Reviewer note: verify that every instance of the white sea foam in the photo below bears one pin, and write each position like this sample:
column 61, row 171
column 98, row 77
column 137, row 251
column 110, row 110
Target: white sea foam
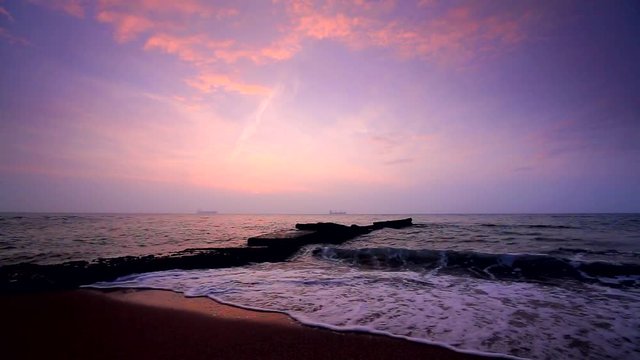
column 515, row 318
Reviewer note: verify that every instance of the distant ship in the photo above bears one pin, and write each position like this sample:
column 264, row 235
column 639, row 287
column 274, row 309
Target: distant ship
column 206, row 212
column 331, row 212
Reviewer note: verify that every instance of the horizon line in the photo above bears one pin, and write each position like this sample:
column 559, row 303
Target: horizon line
column 325, row 213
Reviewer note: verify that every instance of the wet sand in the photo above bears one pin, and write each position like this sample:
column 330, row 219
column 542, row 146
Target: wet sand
column 151, row 324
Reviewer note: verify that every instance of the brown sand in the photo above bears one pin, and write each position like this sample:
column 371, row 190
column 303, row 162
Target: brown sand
column 154, row 324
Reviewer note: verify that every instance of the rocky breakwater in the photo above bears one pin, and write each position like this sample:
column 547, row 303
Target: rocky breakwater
column 322, row 233
column 274, row 247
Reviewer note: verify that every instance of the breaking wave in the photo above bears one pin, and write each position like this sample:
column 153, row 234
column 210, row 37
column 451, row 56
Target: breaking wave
column 534, row 226
column 525, row 267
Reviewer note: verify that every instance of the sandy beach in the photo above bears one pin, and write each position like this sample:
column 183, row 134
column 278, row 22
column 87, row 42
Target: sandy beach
column 151, row 324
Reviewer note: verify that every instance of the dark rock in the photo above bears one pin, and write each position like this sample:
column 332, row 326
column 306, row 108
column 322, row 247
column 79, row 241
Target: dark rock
column 33, row 277
column 273, row 247
column 323, row 226
column 281, row 238
column 322, row 232
column 394, row 224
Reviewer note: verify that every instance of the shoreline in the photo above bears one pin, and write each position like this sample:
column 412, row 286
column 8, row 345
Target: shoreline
column 163, row 324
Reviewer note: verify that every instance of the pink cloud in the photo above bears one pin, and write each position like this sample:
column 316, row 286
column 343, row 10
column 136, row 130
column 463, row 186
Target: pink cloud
column 320, row 27
column 135, row 17
column 452, row 36
column 282, row 49
column 197, row 49
column 202, row 49
column 458, row 35
column 279, row 50
column 326, row 20
column 127, row 26
column 209, row 82
column 449, row 36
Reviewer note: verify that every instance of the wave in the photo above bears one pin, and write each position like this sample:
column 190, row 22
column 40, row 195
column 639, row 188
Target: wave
column 533, row 226
column 566, row 250
column 525, row 267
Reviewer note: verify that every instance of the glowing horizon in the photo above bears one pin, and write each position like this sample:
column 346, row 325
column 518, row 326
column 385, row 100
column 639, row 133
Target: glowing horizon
column 304, row 106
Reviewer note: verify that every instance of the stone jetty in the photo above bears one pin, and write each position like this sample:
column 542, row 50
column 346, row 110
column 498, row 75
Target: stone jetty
column 322, row 233
column 274, row 247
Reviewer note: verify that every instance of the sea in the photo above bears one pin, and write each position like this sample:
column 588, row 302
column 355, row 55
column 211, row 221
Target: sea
column 541, row 286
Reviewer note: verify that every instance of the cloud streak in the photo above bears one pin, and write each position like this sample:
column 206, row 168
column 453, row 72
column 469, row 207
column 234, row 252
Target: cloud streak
column 5, row 34
column 75, row 8
column 4, row 12
column 12, row 39
column 210, row 82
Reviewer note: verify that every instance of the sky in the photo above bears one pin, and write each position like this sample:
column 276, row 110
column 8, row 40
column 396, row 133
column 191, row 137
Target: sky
column 306, row 106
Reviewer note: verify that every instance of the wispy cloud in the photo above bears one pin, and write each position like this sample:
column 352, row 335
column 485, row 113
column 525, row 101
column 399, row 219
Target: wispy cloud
column 252, row 126
column 6, row 14
column 12, row 39
column 127, row 26
column 75, row 8
column 6, row 35
column 199, row 49
column 136, row 17
column 209, row 82
column 454, row 34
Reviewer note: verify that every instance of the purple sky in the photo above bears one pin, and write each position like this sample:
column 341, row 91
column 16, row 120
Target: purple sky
column 305, row 106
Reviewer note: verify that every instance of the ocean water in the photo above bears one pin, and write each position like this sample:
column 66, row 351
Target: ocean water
column 529, row 286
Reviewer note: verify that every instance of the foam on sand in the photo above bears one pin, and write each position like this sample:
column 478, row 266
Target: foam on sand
column 518, row 319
